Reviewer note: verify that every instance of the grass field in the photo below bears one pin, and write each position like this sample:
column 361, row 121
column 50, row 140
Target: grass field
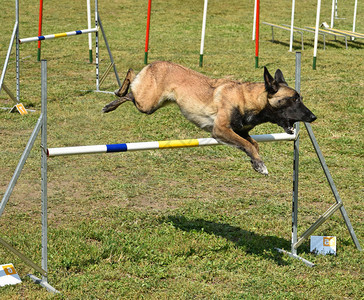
column 193, row 223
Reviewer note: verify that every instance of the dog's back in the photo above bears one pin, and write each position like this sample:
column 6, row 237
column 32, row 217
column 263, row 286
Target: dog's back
column 162, row 82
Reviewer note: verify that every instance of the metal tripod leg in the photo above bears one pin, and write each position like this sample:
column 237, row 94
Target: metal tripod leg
column 109, row 51
column 332, row 186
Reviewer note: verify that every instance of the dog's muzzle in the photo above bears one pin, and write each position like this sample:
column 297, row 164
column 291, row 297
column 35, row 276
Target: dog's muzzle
column 311, row 118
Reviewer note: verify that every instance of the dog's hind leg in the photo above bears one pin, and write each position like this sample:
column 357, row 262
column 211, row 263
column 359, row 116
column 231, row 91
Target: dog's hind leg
column 116, row 103
column 123, row 90
column 122, row 93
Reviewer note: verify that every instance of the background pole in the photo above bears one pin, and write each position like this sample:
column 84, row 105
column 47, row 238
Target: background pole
column 354, row 18
column 292, row 23
column 332, row 14
column 90, row 34
column 257, row 36
column 40, row 27
column 254, row 19
column 147, row 33
column 316, row 34
column 203, row 32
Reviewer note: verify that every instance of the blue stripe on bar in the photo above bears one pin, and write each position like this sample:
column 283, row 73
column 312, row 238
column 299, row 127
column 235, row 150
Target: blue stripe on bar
column 78, row 32
column 116, row 148
column 41, row 38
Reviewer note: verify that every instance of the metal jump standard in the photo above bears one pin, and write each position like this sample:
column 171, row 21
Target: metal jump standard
column 15, row 38
column 50, row 152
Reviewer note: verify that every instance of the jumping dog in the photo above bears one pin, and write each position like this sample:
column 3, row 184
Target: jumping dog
column 226, row 108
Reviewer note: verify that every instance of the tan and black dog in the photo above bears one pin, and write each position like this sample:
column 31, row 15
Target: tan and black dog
column 226, row 108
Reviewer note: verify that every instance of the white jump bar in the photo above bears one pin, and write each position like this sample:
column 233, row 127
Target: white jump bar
column 159, row 145
column 57, row 35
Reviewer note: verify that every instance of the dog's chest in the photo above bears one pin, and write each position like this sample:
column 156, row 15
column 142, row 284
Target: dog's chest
column 243, row 121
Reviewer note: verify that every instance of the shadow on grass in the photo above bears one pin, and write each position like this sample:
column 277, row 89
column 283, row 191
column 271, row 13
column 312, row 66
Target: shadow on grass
column 248, row 241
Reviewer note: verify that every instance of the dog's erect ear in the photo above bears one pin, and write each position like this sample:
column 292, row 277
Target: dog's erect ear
column 271, row 85
column 278, row 77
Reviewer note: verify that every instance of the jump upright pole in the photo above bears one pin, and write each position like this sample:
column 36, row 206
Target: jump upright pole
column 316, row 34
column 203, row 32
column 254, row 19
column 257, row 35
column 40, row 27
column 354, row 18
column 89, row 27
column 147, row 32
column 332, row 14
column 296, row 152
column 292, row 24
column 44, row 280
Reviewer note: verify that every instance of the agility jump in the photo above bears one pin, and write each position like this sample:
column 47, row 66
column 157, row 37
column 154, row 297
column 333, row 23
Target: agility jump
column 41, row 127
column 98, row 26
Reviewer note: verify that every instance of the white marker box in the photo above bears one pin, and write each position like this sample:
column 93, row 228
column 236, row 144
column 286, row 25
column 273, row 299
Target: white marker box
column 8, row 275
column 323, row 245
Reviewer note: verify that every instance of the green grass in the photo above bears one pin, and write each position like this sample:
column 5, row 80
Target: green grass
column 183, row 223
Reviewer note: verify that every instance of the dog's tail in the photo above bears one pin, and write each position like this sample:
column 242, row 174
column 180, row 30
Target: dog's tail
column 121, row 93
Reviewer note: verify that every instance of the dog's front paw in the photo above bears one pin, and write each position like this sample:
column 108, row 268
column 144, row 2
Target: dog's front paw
column 260, row 167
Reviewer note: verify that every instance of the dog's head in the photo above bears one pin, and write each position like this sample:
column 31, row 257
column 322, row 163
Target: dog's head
column 285, row 103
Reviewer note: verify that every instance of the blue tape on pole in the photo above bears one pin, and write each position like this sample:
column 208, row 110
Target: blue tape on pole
column 41, row 38
column 116, row 148
column 78, row 32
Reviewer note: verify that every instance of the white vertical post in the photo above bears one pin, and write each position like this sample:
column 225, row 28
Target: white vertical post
column 292, row 23
column 316, row 33
column 89, row 27
column 254, row 20
column 355, row 10
column 203, row 32
column 332, row 14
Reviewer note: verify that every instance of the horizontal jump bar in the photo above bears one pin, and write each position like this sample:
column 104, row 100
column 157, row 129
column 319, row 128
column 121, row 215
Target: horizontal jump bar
column 57, row 35
column 159, row 145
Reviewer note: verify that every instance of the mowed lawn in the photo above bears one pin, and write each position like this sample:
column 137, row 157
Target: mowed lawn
column 196, row 223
